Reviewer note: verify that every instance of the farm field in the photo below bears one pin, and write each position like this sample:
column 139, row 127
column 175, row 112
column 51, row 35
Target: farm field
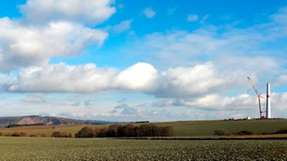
column 53, row 149
column 181, row 128
column 43, row 131
column 207, row 128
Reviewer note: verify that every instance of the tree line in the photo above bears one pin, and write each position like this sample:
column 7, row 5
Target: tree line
column 146, row 130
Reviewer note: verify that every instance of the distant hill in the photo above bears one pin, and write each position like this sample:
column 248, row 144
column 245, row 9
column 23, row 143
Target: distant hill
column 44, row 120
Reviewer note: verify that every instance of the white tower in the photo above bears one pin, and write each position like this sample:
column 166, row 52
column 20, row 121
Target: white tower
column 268, row 101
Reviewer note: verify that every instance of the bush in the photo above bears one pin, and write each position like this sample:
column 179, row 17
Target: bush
column 18, row 134
column 151, row 130
column 127, row 131
column 166, row 131
column 86, row 132
column 61, row 134
column 111, row 131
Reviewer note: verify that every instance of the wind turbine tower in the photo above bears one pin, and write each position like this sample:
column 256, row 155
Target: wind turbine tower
column 268, row 101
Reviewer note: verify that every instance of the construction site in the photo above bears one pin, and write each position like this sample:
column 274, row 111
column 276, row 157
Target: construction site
column 264, row 111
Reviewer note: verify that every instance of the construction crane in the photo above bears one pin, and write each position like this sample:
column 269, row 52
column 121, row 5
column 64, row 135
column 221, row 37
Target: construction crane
column 258, row 95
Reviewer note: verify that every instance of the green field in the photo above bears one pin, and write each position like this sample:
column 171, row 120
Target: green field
column 207, row 128
column 181, row 128
column 52, row 149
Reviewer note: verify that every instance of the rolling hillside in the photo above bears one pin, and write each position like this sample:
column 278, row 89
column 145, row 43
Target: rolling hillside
column 43, row 120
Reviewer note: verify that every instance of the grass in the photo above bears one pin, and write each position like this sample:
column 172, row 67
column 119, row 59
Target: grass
column 52, row 149
column 181, row 128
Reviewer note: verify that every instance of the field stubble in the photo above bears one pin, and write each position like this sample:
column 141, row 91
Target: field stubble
column 53, row 149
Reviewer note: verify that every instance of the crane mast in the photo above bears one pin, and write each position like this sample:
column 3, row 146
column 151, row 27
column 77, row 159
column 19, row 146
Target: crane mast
column 258, row 95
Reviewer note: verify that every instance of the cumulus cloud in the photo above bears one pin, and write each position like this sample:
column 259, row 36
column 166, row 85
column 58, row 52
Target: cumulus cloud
column 23, row 45
column 190, row 81
column 84, row 78
column 180, row 82
column 86, row 11
column 63, row 78
column 235, row 52
column 141, row 76
column 51, row 28
column 149, row 12
column 219, row 102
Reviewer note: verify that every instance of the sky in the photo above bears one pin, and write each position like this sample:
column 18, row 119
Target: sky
column 156, row 60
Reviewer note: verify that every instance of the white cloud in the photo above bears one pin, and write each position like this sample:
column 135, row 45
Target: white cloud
column 219, row 102
column 198, row 87
column 84, row 78
column 192, row 81
column 195, row 81
column 23, row 45
column 149, row 12
column 64, row 78
column 235, row 52
column 192, row 18
column 201, row 85
column 183, row 77
column 63, row 31
column 242, row 103
column 141, row 76
column 122, row 26
column 86, row 11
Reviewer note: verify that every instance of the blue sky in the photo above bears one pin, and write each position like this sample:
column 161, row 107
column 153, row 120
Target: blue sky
column 126, row 60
